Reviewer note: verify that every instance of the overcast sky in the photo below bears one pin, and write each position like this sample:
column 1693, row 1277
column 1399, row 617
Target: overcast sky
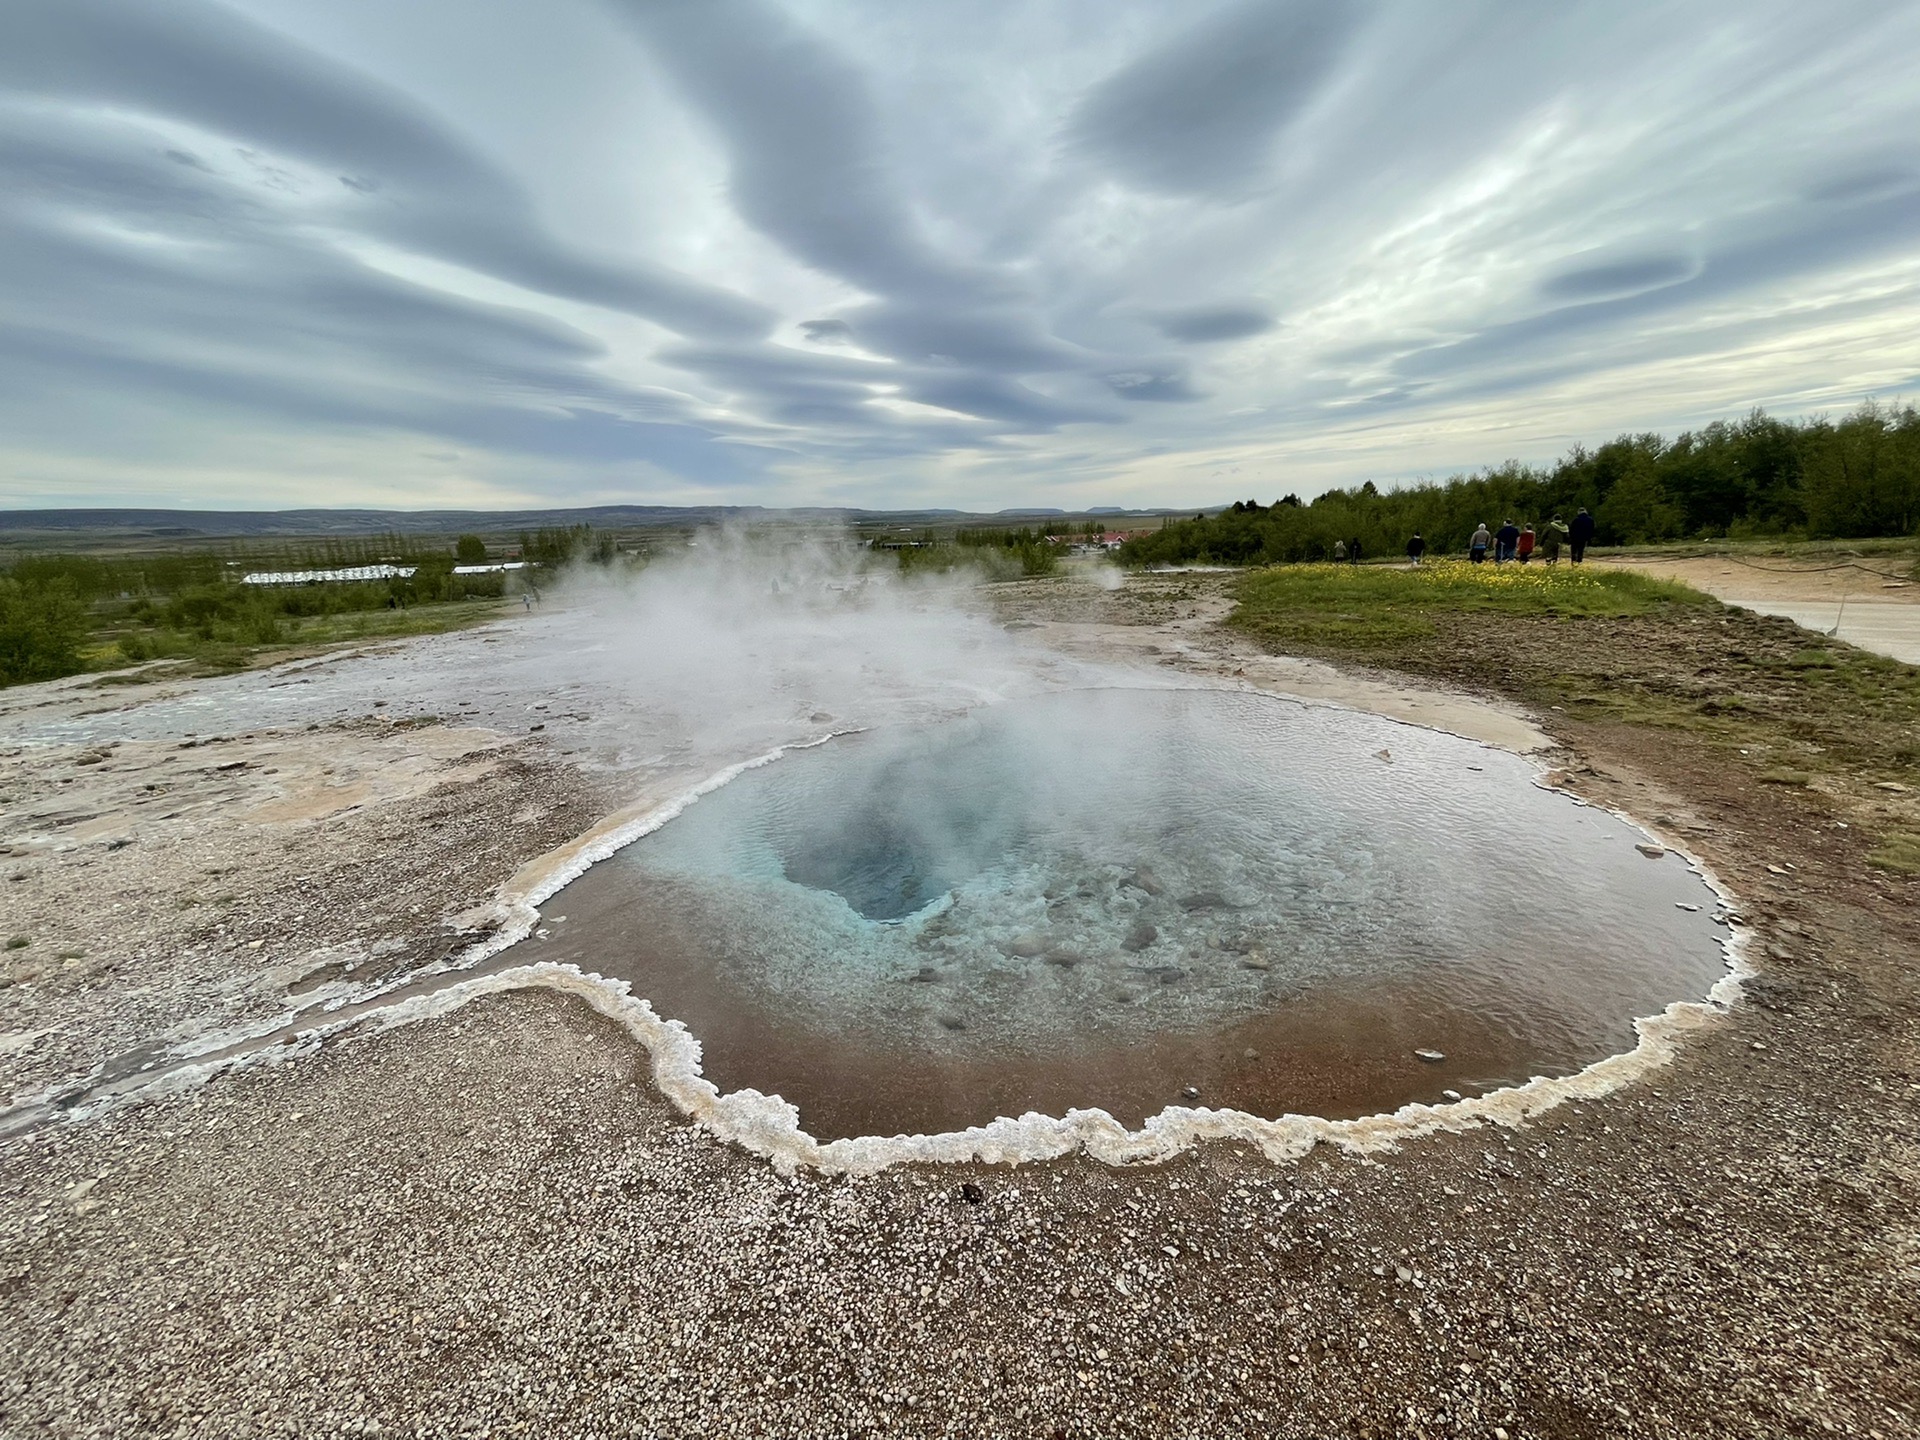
column 425, row 253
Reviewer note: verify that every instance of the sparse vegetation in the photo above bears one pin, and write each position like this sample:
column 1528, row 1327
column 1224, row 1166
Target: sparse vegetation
column 996, row 554
column 1899, row 852
column 65, row 614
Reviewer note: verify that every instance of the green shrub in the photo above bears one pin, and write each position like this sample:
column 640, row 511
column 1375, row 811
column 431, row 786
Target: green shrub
column 42, row 624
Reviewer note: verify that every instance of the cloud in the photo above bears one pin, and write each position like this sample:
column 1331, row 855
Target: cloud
column 1199, row 115
column 1206, row 325
column 989, row 255
column 802, row 139
column 128, row 271
column 1618, row 277
column 207, row 67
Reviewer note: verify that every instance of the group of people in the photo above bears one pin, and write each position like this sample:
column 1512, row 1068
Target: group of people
column 1516, row 542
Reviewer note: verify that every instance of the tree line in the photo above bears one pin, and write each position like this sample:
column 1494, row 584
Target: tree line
column 1758, row 476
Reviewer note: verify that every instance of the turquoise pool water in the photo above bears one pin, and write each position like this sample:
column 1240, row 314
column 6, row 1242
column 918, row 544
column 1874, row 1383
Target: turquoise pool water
column 1151, row 891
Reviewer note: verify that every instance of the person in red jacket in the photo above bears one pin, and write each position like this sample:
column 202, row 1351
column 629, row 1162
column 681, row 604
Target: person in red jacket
column 1523, row 548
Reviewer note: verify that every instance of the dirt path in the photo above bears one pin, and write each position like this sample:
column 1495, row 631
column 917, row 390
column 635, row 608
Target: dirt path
column 1872, row 602
column 489, row 1223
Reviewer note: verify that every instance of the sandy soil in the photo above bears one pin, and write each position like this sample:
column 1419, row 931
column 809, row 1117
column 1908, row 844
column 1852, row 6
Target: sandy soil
column 488, row 1223
column 1886, row 578
column 1872, row 601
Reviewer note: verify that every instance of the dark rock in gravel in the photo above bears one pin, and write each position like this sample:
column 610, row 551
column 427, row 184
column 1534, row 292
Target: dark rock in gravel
column 1204, row 900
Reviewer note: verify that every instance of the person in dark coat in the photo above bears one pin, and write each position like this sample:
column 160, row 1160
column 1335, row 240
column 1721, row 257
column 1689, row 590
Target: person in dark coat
column 1353, row 551
column 1416, row 547
column 1504, row 541
column 1579, row 534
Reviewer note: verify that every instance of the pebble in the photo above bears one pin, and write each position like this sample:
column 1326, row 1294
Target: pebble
column 1432, row 1057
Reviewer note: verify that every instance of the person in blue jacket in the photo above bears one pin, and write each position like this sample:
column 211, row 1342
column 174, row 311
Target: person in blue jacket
column 1505, row 541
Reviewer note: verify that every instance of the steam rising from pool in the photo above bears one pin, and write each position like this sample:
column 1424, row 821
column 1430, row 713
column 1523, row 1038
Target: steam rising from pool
column 1124, row 898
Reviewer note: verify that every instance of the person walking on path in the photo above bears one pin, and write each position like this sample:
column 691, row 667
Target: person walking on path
column 1581, row 534
column 1416, row 547
column 1524, row 550
column 1339, row 551
column 1477, row 546
column 1556, row 531
column 1353, row 551
column 1504, row 542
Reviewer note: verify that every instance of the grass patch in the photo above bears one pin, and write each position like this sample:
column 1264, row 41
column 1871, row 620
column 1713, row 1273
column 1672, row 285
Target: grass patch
column 1609, row 647
column 1381, row 609
column 1813, row 660
column 1899, row 852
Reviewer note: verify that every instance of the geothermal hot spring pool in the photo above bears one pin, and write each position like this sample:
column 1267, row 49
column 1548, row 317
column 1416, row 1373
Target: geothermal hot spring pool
column 1130, row 899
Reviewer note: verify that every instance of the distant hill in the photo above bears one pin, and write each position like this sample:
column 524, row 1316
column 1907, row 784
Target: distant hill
column 208, row 523
column 95, row 525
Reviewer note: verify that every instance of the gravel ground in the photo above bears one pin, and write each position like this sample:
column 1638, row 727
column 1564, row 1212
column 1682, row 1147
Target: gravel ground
column 164, row 889
column 488, row 1224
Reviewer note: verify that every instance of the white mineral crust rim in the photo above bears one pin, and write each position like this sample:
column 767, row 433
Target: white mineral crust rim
column 769, row 1126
